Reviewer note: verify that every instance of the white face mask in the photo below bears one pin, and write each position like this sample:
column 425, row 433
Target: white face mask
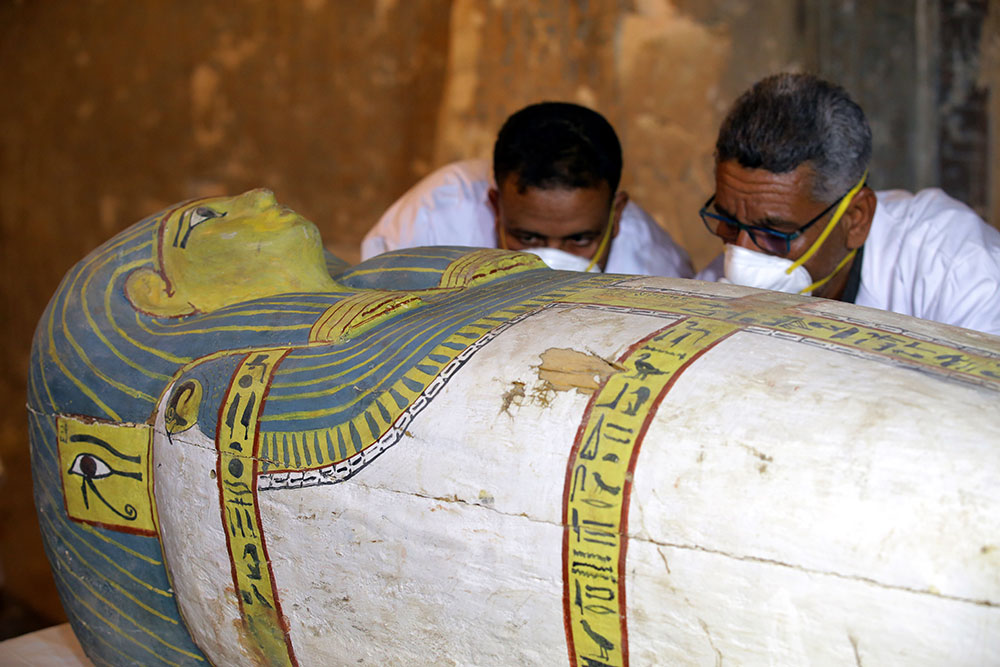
column 756, row 269
column 562, row 260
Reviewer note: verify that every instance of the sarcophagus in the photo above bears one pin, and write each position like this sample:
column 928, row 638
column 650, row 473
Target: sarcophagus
column 246, row 452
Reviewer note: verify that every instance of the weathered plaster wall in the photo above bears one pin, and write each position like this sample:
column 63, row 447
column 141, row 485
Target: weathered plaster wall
column 663, row 72
column 989, row 78
column 114, row 109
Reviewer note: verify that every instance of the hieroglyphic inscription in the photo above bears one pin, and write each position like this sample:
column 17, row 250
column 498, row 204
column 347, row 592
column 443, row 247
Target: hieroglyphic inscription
column 237, row 444
column 598, row 484
column 906, row 347
column 758, row 314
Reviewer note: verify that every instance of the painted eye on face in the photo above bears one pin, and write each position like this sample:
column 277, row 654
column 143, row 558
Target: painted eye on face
column 193, row 218
column 89, row 466
column 201, row 214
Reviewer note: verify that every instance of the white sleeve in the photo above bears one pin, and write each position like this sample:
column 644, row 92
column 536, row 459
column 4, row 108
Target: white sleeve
column 961, row 286
column 642, row 247
column 373, row 245
column 932, row 257
column 404, row 225
column 974, row 300
column 448, row 207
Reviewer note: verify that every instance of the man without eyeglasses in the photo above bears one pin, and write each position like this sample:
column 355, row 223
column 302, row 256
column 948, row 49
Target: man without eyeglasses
column 553, row 191
column 794, row 209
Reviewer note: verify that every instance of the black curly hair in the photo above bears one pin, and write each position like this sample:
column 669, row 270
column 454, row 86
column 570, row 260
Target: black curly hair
column 557, row 145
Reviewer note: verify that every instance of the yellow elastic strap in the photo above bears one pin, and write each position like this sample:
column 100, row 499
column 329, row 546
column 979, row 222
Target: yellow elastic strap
column 844, row 203
column 604, row 241
column 820, row 283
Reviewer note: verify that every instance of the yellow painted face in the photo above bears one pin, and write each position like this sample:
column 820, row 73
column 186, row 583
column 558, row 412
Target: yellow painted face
column 219, row 251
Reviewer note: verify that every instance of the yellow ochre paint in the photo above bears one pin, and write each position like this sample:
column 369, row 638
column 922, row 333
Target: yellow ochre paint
column 225, row 250
column 598, row 482
column 104, row 473
column 237, row 445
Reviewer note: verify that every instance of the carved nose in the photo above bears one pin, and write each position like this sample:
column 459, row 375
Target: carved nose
column 259, row 198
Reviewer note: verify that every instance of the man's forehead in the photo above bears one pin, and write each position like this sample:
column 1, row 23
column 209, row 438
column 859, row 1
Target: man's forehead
column 515, row 182
column 555, row 212
column 754, row 181
column 750, row 194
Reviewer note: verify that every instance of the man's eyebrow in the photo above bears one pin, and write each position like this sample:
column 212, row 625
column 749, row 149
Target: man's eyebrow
column 777, row 223
column 525, row 232
column 723, row 211
column 771, row 223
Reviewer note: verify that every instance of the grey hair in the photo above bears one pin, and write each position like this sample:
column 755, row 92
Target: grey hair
column 787, row 120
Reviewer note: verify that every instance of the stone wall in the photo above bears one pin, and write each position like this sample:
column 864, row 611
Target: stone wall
column 115, row 109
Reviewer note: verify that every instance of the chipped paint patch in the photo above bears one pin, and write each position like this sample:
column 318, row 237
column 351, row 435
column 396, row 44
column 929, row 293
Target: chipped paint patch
column 513, row 395
column 566, row 369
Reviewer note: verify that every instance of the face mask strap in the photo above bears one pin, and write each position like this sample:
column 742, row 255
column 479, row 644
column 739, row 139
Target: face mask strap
column 604, row 242
column 844, row 203
column 820, row 283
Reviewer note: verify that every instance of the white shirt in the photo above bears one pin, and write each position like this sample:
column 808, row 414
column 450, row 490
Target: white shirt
column 929, row 256
column 450, row 207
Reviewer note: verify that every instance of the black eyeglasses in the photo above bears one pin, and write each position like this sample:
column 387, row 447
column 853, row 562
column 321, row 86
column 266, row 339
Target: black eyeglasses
column 769, row 240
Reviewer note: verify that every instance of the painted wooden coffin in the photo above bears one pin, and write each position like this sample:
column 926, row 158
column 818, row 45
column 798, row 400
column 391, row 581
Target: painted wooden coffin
column 248, row 453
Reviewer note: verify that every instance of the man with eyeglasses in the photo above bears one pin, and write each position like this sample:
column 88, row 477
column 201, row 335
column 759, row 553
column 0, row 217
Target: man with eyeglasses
column 794, row 209
column 553, row 192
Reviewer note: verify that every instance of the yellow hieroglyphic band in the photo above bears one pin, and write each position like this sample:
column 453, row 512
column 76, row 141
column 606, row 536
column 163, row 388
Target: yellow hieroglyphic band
column 237, row 443
column 598, row 484
column 104, row 468
column 758, row 311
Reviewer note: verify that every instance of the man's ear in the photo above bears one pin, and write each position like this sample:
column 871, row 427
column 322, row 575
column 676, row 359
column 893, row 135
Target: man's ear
column 493, row 196
column 617, row 208
column 148, row 292
column 858, row 217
